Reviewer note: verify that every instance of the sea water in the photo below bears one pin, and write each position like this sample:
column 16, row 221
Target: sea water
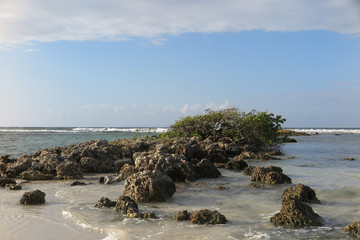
column 69, row 212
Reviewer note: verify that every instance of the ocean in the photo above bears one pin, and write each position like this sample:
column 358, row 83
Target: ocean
column 69, row 213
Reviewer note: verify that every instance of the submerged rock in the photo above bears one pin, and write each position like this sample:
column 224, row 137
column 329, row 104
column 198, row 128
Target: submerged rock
column 13, row 186
column 207, row 217
column 105, row 202
column 354, row 229
column 301, row 192
column 149, row 186
column 33, row 197
column 78, row 183
column 295, row 213
column 182, row 216
column 125, row 204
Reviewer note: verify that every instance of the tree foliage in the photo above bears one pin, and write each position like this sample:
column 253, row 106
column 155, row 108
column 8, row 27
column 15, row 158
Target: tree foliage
column 255, row 128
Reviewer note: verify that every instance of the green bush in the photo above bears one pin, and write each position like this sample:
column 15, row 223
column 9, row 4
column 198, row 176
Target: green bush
column 255, row 128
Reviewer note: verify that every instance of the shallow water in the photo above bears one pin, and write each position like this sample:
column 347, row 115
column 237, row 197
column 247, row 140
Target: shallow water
column 318, row 163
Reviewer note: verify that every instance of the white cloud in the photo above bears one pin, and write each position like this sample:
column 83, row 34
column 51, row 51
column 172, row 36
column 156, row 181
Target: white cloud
column 31, row 50
column 184, row 109
column 24, row 22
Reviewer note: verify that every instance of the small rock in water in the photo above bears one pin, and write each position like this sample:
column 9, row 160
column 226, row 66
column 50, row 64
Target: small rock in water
column 182, row 216
column 301, row 192
column 220, row 187
column 101, row 180
column 13, row 186
column 105, row 202
column 78, row 183
column 125, row 204
column 33, row 197
column 207, row 217
column 255, row 185
column 349, row 159
column 4, row 181
column 108, row 180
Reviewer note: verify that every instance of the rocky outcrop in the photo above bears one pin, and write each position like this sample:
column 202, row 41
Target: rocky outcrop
column 69, row 170
column 205, row 169
column 236, row 164
column 214, row 152
column 105, row 202
column 33, row 197
column 174, row 165
column 149, row 186
column 35, row 175
column 271, row 175
column 4, row 181
column 295, row 213
column 301, row 192
column 204, row 216
column 353, row 229
column 125, row 204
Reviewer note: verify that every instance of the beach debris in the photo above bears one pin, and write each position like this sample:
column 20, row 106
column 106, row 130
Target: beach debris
column 5, row 180
column 236, row 164
column 204, row 216
column 270, row 174
column 33, row 197
column 353, row 229
column 69, row 170
column 36, row 175
column 147, row 186
column 105, row 202
column 13, row 186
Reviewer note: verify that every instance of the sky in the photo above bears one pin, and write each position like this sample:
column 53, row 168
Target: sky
column 139, row 63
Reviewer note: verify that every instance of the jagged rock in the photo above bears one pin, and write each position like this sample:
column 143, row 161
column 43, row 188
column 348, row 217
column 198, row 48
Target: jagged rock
column 126, row 171
column 354, row 229
column 295, row 213
column 125, row 204
column 33, row 197
column 248, row 170
column 206, row 169
column 120, row 163
column 145, row 215
column 229, row 146
column 207, row 217
column 6, row 159
column 270, row 175
column 69, row 170
column 13, row 186
column 149, row 186
column 5, row 180
column 182, row 216
column 301, row 192
column 78, row 183
column 245, row 155
column 214, row 152
column 35, row 175
column 21, row 164
column 105, row 202
column 174, row 165
column 236, row 164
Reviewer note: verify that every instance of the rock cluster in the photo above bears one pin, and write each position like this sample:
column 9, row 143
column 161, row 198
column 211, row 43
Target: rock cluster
column 204, row 216
column 270, row 174
column 294, row 211
column 354, row 229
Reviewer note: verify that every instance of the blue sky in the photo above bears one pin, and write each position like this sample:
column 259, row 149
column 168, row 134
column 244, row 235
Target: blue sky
column 116, row 63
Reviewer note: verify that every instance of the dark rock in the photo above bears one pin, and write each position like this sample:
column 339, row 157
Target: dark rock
column 78, row 183
column 21, row 164
column 219, row 165
column 149, row 186
column 126, row 171
column 69, row 170
column 248, row 170
column 206, row 169
column 145, row 215
column 182, row 216
column 266, row 156
column 105, row 202
column 120, row 163
column 33, row 197
column 126, row 205
column 220, row 187
column 101, row 180
column 13, row 186
column 354, row 229
column 214, row 152
column 295, row 213
column 245, row 155
column 271, row 175
column 236, row 164
column 301, row 192
column 6, row 159
column 35, row 175
column 255, row 185
column 286, row 139
column 349, row 159
column 4, row 181
column 207, row 217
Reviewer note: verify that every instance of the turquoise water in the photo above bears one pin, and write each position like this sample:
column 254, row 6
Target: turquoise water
column 316, row 161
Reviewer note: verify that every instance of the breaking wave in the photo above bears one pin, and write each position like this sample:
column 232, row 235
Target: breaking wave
column 328, row 130
column 84, row 130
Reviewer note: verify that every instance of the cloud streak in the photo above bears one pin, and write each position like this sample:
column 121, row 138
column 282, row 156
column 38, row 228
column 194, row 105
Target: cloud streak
column 25, row 22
